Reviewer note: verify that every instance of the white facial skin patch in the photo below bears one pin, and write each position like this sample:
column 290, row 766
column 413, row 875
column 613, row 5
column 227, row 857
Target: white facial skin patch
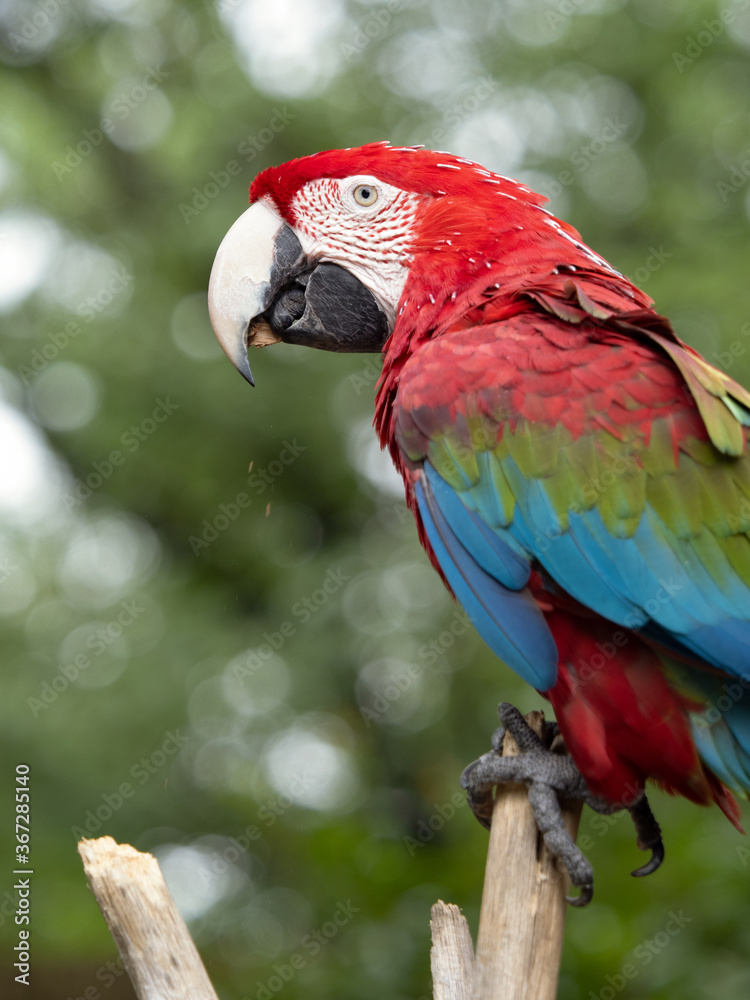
column 361, row 223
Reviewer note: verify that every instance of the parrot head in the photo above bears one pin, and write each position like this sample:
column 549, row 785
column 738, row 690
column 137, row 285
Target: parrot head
column 338, row 248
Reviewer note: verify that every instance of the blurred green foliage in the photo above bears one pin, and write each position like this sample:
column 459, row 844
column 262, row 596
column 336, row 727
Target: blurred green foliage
column 221, row 641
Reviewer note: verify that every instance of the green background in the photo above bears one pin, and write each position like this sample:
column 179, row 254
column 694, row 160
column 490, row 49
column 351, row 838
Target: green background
column 146, row 573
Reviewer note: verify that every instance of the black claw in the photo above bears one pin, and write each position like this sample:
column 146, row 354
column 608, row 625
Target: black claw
column 657, row 856
column 649, row 836
column 585, row 897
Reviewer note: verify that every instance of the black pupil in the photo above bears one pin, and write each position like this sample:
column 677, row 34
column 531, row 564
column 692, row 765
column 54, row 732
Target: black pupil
column 365, row 194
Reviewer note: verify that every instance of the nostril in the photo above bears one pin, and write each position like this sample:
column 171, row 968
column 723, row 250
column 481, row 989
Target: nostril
column 287, row 308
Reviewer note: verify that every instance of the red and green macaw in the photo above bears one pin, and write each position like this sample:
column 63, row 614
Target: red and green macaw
column 579, row 476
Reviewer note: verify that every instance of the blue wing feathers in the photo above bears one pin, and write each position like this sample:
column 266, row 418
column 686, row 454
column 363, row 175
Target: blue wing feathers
column 482, row 543
column 653, row 580
column 509, row 621
column 707, row 749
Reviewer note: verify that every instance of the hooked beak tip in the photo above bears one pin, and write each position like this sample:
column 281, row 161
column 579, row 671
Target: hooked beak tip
column 244, row 369
column 240, row 360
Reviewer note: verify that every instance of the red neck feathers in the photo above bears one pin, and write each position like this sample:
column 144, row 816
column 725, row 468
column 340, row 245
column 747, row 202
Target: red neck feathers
column 480, row 237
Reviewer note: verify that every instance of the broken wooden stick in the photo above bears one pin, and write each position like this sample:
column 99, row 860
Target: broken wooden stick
column 155, row 944
column 452, row 953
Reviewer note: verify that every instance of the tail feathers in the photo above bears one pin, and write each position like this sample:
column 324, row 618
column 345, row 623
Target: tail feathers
column 708, row 788
column 720, row 729
column 725, row 800
column 720, row 742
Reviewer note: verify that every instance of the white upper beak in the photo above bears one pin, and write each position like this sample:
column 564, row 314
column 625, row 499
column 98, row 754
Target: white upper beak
column 240, row 283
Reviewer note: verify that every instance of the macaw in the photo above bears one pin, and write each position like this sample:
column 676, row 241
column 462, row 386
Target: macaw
column 579, row 476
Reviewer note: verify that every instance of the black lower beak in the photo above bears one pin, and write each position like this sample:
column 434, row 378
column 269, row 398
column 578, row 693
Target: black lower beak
column 329, row 309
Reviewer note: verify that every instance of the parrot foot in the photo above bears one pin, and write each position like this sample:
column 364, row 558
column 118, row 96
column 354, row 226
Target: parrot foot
column 545, row 768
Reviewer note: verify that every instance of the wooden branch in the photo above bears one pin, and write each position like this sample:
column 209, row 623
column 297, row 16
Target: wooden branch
column 152, row 938
column 452, row 953
column 519, row 943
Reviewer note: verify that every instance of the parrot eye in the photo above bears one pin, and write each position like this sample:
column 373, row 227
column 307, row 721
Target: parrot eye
column 365, row 194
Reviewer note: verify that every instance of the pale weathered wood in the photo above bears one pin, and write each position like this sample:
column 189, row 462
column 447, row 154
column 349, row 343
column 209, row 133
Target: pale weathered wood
column 519, row 943
column 152, row 938
column 452, row 953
